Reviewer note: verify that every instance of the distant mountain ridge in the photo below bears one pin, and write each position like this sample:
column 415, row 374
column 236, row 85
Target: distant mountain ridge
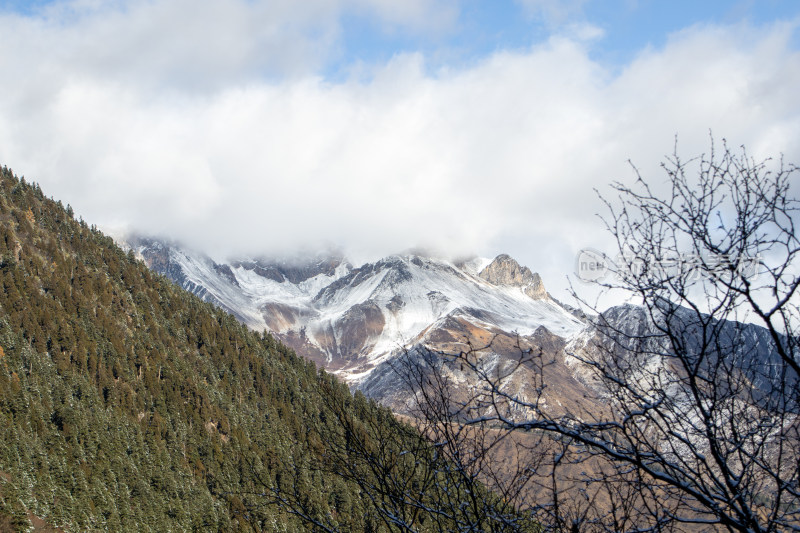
column 363, row 323
column 349, row 318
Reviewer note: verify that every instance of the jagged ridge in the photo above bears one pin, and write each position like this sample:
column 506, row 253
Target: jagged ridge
column 350, row 319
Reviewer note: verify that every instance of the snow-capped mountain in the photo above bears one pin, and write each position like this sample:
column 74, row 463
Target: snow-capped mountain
column 364, row 322
column 351, row 319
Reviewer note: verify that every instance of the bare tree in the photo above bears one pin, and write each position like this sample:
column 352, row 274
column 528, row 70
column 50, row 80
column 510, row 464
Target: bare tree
column 695, row 424
column 536, row 474
column 484, row 474
column 489, row 436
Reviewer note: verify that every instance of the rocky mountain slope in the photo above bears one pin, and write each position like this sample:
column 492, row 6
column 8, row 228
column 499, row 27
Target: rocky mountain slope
column 352, row 319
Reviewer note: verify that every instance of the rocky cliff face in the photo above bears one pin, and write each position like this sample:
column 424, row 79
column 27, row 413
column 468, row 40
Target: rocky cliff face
column 504, row 270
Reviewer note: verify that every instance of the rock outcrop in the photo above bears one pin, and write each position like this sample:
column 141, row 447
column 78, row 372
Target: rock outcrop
column 504, row 270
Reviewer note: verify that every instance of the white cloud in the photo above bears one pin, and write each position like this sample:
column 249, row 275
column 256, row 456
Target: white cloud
column 553, row 12
column 502, row 155
column 417, row 15
column 197, row 45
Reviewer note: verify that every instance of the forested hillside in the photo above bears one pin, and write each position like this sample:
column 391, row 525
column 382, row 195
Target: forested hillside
column 129, row 404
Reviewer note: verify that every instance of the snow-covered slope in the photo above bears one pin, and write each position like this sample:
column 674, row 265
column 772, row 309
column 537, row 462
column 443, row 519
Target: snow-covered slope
column 350, row 319
column 365, row 322
column 400, row 298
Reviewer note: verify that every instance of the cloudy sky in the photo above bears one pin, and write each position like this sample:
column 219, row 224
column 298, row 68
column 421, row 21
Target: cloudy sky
column 476, row 126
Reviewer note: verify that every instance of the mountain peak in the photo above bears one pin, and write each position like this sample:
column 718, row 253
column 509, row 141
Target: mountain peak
column 505, row 270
